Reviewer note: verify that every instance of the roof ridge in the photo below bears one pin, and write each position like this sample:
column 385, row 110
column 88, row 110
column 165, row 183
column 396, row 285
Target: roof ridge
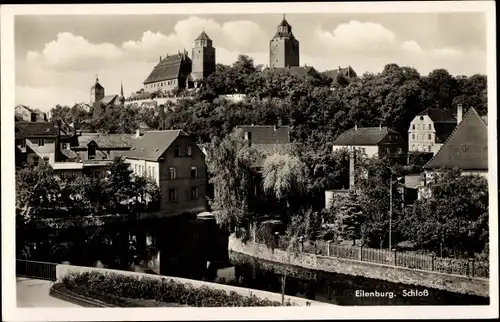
column 452, row 133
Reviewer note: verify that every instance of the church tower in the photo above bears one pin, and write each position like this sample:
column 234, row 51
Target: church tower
column 203, row 58
column 284, row 48
column 96, row 92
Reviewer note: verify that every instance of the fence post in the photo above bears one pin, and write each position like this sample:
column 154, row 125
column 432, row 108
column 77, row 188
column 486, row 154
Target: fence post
column 361, row 253
column 394, row 262
column 433, row 258
column 328, row 243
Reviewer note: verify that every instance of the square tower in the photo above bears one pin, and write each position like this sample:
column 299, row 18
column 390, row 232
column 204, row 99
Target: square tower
column 96, row 92
column 284, row 48
column 203, row 57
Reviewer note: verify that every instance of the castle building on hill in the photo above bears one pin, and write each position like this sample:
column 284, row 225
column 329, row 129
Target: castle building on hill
column 284, row 48
column 180, row 71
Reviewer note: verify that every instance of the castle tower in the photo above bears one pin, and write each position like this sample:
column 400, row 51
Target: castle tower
column 96, row 92
column 203, row 57
column 284, row 48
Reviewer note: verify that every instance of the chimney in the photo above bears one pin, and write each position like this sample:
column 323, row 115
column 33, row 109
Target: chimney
column 160, row 59
column 460, row 112
column 351, row 169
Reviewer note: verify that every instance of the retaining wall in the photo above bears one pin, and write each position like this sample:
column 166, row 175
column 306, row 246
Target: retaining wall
column 394, row 274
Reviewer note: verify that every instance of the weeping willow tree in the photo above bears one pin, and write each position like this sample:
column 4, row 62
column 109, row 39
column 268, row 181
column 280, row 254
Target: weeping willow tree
column 285, row 176
column 233, row 164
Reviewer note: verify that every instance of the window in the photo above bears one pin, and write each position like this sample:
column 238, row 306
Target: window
column 23, row 143
column 194, row 193
column 418, row 126
column 135, row 168
column 91, row 152
column 248, row 136
column 35, row 160
column 177, row 151
column 421, row 118
column 194, row 172
column 413, row 126
column 171, row 172
column 172, row 194
column 430, row 136
column 64, row 146
column 413, row 136
column 429, row 148
column 143, row 170
column 188, row 150
column 150, row 172
column 41, row 142
column 45, row 159
column 430, row 127
column 413, row 147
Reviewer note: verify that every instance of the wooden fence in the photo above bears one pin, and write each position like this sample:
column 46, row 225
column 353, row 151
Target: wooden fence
column 455, row 266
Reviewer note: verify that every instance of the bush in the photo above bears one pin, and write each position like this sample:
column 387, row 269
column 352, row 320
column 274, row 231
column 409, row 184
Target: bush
column 107, row 287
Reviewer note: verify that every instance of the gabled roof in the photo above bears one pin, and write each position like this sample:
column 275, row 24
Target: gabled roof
column 298, row 70
column 151, row 145
column 107, row 141
column 267, row 134
column 168, row 68
column 109, row 99
column 97, row 85
column 466, row 148
column 443, row 131
column 363, row 136
column 203, row 36
column 439, row 115
column 345, row 72
column 36, row 129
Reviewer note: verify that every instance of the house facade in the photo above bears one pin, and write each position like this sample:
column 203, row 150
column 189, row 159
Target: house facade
column 177, row 165
column 373, row 141
column 266, row 138
column 430, row 128
column 466, row 149
column 26, row 114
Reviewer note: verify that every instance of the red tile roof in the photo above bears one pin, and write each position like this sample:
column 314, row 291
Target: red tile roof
column 466, row 148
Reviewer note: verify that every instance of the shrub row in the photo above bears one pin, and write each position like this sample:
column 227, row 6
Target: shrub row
column 108, row 286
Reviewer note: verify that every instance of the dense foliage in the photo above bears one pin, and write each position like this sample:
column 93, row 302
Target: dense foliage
column 101, row 286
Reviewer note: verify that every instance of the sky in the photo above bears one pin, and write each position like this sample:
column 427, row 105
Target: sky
column 57, row 57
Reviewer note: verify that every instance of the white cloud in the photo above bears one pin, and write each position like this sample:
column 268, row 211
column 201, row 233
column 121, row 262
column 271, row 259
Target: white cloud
column 64, row 70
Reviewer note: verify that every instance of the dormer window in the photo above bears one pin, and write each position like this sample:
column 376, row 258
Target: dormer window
column 421, row 118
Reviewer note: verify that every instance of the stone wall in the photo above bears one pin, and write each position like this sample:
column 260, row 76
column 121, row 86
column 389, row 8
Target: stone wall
column 393, row 274
column 64, row 270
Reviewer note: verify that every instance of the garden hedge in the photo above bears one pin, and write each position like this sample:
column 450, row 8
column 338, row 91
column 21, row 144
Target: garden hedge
column 113, row 288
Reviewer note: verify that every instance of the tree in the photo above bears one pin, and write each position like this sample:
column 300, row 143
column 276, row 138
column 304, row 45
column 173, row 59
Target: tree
column 285, row 176
column 233, row 165
column 350, row 218
column 118, row 187
column 454, row 220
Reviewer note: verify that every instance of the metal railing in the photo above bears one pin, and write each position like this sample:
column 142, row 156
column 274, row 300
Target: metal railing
column 34, row 269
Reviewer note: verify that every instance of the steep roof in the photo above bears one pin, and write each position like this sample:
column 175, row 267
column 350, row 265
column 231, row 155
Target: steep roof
column 36, row 129
column 466, row 148
column 438, row 115
column 97, row 85
column 363, row 136
column 109, row 99
column 267, row 134
column 298, row 70
column 168, row 68
column 153, row 144
column 107, row 140
column 284, row 23
column 345, row 72
column 203, row 36
column 443, row 131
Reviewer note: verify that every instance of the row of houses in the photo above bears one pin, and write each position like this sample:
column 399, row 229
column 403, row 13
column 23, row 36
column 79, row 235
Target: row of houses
column 445, row 140
column 171, row 158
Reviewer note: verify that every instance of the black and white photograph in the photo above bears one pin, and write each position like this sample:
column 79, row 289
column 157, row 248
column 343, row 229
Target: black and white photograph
column 335, row 159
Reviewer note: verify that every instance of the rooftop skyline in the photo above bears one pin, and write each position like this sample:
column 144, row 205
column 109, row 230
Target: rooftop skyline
column 58, row 57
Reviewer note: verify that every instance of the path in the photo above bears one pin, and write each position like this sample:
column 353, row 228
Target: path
column 35, row 293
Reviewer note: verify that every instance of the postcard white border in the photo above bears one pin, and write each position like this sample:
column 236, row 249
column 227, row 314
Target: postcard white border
column 12, row 313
